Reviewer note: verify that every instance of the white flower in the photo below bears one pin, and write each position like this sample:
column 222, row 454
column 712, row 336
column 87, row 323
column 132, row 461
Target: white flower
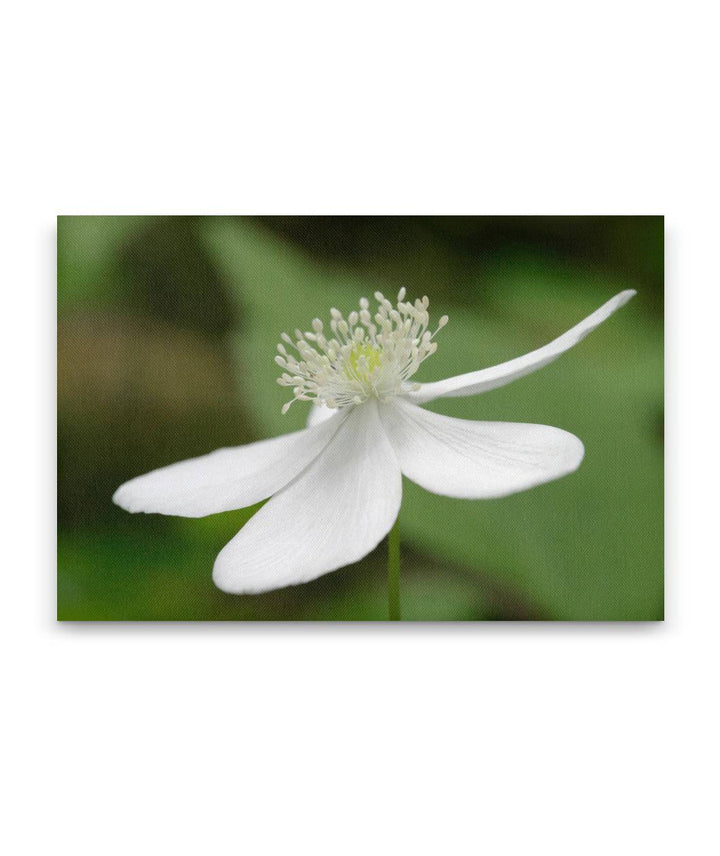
column 336, row 486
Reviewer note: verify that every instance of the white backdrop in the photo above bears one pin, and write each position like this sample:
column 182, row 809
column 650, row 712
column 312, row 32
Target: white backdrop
column 502, row 738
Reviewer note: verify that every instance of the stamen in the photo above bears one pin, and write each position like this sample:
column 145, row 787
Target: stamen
column 369, row 356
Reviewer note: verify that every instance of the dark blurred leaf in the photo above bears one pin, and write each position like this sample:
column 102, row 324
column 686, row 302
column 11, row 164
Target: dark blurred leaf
column 88, row 250
column 169, row 276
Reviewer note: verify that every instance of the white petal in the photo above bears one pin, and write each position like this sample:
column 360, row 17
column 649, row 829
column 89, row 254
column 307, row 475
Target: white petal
column 333, row 514
column 495, row 376
column 227, row 478
column 319, row 413
column 476, row 460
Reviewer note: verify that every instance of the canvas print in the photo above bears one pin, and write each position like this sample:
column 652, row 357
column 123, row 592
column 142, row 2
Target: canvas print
column 360, row 418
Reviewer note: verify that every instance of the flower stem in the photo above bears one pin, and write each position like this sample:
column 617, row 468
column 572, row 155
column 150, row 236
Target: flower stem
column 394, row 572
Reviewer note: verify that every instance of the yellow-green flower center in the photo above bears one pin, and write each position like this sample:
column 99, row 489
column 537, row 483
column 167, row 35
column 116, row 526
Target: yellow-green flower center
column 362, row 361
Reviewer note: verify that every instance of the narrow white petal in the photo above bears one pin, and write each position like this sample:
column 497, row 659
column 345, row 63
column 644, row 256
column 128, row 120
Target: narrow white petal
column 227, row 478
column 476, row 460
column 319, row 413
column 333, row 514
column 495, row 376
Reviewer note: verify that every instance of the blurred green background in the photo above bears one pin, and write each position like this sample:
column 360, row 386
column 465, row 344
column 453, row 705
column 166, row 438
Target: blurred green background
column 167, row 329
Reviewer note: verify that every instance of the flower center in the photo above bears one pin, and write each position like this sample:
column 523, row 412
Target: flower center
column 366, row 355
column 363, row 359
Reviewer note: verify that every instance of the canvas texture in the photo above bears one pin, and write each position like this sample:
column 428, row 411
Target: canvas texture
column 167, row 335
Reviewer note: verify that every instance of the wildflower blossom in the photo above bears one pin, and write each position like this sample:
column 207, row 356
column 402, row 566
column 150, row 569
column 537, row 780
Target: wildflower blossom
column 336, row 486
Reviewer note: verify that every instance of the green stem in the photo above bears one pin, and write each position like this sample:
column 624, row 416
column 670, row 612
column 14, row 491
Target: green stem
column 394, row 572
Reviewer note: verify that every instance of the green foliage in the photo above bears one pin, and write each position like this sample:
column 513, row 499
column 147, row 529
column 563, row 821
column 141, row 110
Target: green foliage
column 123, row 575
column 88, row 257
